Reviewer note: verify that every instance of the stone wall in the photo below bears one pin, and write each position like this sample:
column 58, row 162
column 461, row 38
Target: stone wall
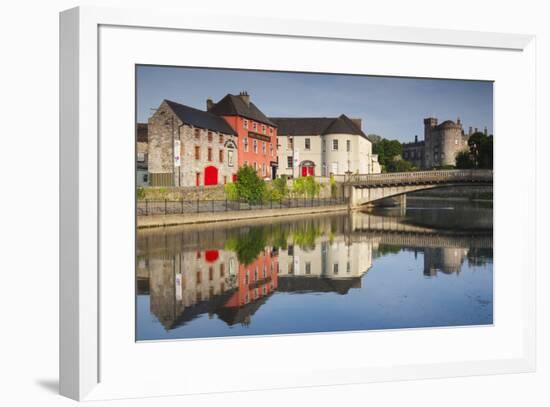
column 164, row 128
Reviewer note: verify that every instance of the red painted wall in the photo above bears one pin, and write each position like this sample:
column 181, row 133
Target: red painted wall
column 251, row 289
column 237, row 123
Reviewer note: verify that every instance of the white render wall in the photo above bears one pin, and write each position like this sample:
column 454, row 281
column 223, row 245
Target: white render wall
column 358, row 160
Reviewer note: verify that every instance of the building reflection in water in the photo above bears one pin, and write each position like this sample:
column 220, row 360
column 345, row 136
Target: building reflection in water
column 229, row 273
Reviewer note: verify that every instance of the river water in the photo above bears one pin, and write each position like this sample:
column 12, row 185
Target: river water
column 428, row 266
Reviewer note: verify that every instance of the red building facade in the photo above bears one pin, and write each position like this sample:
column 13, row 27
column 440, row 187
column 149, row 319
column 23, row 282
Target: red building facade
column 256, row 134
column 256, row 280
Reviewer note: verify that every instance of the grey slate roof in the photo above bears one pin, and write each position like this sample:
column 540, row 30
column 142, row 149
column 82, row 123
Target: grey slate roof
column 307, row 126
column 199, row 118
column 234, row 105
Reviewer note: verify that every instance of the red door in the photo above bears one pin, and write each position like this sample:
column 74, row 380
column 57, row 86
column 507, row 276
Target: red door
column 304, row 171
column 211, row 175
column 310, row 171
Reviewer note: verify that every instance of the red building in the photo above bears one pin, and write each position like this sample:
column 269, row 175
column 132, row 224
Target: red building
column 256, row 280
column 257, row 135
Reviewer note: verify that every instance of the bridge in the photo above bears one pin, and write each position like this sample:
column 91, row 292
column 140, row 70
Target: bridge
column 363, row 189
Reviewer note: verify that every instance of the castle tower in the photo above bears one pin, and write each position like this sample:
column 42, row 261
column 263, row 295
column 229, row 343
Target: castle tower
column 429, row 125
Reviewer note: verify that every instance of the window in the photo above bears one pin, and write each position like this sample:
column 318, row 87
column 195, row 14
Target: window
column 263, row 147
column 209, row 154
column 221, row 156
column 221, row 139
column 264, row 172
column 334, row 167
column 324, row 145
column 308, row 267
column 197, row 178
column 290, row 144
column 197, row 153
column 307, row 143
column 255, row 143
column 197, row 133
column 263, row 129
column 289, row 162
column 335, row 268
column 255, row 166
column 210, row 136
column 140, row 157
column 245, row 162
column 230, row 157
column 348, row 145
column 145, row 177
column 254, row 126
column 222, row 270
column 245, row 144
column 271, row 130
column 271, row 149
column 348, row 267
column 335, row 145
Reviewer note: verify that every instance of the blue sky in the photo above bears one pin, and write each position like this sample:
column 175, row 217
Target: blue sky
column 389, row 106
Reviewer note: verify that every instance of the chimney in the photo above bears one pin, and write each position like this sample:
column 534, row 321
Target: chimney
column 458, row 122
column 358, row 123
column 470, row 131
column 209, row 104
column 416, row 138
column 475, row 130
column 245, row 97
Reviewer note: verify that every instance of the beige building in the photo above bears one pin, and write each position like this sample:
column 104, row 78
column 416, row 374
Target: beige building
column 323, row 146
column 327, row 265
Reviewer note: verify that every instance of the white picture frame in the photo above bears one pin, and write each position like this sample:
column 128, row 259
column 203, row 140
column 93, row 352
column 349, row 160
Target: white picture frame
column 86, row 335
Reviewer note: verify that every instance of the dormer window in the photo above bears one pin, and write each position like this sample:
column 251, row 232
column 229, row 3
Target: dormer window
column 263, row 129
column 254, row 126
column 245, row 124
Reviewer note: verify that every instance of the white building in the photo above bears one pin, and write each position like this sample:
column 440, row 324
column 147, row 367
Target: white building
column 323, row 146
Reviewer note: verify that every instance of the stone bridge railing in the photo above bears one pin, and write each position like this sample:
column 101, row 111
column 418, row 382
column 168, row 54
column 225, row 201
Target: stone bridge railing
column 421, row 177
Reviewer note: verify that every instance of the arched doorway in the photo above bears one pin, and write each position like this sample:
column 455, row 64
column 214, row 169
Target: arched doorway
column 307, row 168
column 210, row 175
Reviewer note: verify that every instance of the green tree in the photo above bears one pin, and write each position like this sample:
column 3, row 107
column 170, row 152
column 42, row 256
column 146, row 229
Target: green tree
column 464, row 160
column 306, row 187
column 250, row 186
column 481, row 149
column 387, row 150
column 247, row 245
column 398, row 165
column 279, row 189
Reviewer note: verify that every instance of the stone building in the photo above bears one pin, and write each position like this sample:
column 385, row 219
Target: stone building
column 414, row 152
column 142, row 145
column 190, row 147
column 257, row 134
column 440, row 146
column 321, row 146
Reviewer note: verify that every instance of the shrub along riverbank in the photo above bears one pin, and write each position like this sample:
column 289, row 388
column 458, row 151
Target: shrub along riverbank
column 249, row 187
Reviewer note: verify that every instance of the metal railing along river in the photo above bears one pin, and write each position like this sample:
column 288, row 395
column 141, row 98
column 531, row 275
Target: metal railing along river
column 166, row 207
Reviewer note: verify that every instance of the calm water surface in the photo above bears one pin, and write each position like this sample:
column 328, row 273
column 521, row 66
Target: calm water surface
column 430, row 266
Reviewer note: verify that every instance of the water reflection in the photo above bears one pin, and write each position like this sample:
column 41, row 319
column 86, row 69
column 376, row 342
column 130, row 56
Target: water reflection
column 217, row 280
